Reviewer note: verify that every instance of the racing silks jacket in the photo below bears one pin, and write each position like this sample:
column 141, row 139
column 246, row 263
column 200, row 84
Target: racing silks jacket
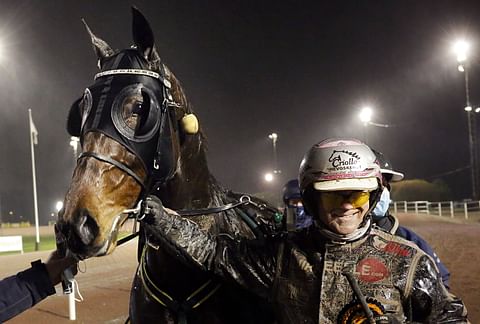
column 391, row 224
column 395, row 276
column 303, row 275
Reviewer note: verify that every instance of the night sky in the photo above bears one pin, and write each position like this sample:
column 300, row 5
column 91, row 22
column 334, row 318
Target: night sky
column 301, row 69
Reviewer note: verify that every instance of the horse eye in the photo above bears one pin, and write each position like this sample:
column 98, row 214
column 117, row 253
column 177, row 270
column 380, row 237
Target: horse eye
column 132, row 110
column 143, row 110
column 135, row 113
column 137, row 109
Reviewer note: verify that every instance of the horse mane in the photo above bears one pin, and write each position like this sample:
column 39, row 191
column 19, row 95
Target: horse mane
column 193, row 185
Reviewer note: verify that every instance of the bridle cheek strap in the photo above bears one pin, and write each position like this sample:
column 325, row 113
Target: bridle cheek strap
column 116, row 163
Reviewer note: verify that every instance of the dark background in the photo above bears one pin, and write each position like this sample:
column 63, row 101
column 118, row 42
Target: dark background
column 302, row 69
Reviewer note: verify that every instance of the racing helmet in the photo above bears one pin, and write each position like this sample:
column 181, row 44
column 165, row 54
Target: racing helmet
column 339, row 164
column 291, row 190
column 386, row 168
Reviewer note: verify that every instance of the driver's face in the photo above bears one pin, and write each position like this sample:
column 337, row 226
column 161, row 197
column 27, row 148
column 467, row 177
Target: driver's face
column 342, row 211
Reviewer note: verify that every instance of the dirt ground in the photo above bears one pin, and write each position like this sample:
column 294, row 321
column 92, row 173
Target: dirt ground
column 105, row 285
column 457, row 243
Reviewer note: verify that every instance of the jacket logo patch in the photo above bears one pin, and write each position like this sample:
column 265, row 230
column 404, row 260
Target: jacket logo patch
column 397, row 249
column 371, row 270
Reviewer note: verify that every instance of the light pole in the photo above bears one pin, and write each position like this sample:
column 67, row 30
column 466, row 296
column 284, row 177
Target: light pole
column 274, row 138
column 461, row 49
column 365, row 116
column 268, row 177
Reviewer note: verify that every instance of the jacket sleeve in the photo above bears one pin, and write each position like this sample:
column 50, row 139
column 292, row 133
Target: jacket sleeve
column 429, row 301
column 20, row 292
column 226, row 254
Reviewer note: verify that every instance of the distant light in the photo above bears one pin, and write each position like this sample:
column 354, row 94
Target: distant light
column 268, row 177
column 365, row 114
column 59, row 206
column 74, row 141
column 273, row 136
column 461, row 68
column 468, row 108
column 461, row 49
column 477, row 110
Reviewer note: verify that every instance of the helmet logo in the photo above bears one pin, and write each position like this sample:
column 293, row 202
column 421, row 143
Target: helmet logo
column 344, row 160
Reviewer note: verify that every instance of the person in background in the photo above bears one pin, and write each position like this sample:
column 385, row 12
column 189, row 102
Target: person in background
column 387, row 221
column 295, row 217
column 25, row 289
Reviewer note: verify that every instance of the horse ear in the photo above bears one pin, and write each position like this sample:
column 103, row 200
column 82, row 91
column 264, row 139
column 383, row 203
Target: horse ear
column 142, row 34
column 101, row 48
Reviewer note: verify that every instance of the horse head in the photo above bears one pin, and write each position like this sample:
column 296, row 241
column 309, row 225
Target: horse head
column 136, row 127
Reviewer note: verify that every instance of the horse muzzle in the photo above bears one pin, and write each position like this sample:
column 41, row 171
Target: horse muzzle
column 80, row 233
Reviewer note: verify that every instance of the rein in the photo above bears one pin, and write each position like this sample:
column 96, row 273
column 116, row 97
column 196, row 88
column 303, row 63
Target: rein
column 165, row 155
column 210, row 287
column 138, row 213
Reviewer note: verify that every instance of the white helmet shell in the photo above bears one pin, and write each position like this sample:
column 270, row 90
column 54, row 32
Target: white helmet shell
column 339, row 164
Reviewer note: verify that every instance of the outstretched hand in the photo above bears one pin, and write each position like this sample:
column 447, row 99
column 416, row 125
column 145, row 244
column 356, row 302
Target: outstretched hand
column 57, row 263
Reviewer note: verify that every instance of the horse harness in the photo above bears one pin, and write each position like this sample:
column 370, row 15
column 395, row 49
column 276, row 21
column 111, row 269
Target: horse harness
column 127, row 86
column 206, row 290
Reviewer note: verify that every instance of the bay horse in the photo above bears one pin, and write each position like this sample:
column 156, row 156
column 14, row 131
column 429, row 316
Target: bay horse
column 140, row 137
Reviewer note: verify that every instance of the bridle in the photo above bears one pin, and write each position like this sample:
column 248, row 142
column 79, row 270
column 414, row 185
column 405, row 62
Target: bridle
column 164, row 142
column 122, row 166
column 154, row 166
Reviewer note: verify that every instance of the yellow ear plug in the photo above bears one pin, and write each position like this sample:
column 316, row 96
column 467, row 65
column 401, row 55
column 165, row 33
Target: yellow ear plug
column 190, row 124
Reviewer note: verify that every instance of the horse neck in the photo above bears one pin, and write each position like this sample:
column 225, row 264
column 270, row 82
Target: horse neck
column 193, row 186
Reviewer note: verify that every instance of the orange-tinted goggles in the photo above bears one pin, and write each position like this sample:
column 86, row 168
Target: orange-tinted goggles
column 334, row 199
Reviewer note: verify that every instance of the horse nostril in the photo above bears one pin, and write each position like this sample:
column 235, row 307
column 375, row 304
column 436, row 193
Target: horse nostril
column 86, row 227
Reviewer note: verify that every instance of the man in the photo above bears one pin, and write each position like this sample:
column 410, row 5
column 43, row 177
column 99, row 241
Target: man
column 342, row 270
column 387, row 221
column 296, row 218
column 25, row 289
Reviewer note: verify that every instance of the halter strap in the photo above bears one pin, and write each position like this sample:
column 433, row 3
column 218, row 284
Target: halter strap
column 116, row 163
column 149, row 73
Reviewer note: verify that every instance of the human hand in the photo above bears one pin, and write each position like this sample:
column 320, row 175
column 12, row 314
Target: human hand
column 57, row 263
column 152, row 208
